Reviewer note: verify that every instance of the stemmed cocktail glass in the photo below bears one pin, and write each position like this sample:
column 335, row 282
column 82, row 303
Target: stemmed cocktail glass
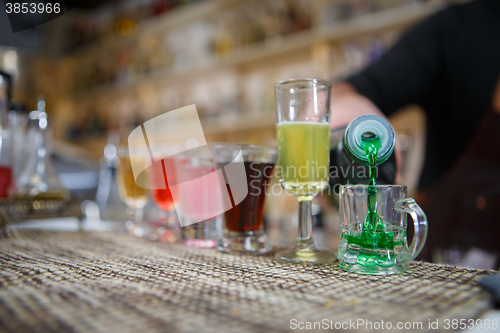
column 303, row 129
column 132, row 194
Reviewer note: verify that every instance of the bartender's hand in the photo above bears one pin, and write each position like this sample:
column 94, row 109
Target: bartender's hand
column 347, row 104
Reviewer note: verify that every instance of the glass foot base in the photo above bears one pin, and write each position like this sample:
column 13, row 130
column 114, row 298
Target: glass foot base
column 143, row 230
column 251, row 242
column 309, row 256
column 374, row 270
column 200, row 243
column 201, row 235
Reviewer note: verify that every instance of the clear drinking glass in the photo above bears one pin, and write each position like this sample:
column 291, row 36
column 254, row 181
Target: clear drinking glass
column 303, row 129
column 132, row 194
column 379, row 249
column 199, row 198
column 244, row 223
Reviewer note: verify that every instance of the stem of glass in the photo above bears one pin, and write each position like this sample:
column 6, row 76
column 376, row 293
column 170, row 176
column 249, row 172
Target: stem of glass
column 305, row 223
column 135, row 225
column 138, row 214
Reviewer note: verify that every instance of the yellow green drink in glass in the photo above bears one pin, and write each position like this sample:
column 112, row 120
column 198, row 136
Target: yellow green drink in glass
column 304, row 156
column 303, row 130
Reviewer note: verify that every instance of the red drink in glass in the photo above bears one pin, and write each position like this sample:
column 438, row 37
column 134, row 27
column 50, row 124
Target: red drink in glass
column 5, row 181
column 163, row 172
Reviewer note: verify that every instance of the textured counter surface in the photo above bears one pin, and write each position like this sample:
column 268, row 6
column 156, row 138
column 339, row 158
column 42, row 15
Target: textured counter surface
column 105, row 282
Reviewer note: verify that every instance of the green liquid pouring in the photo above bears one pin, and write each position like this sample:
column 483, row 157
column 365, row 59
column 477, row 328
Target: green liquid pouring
column 376, row 244
column 371, row 144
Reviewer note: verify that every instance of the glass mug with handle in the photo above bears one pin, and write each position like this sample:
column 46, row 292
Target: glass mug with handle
column 382, row 248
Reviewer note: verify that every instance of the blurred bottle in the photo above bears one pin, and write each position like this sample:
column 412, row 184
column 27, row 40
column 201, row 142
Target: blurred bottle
column 354, row 56
column 18, row 121
column 107, row 196
column 38, row 179
column 375, row 51
column 5, row 150
column 348, row 161
column 223, row 42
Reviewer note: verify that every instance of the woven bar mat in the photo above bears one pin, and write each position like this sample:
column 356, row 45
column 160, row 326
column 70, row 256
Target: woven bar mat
column 104, row 282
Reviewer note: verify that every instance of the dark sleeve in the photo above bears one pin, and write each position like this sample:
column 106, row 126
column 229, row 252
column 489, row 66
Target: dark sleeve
column 408, row 71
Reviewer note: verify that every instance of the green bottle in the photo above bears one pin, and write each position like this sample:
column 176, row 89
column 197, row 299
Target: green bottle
column 369, row 132
column 348, row 160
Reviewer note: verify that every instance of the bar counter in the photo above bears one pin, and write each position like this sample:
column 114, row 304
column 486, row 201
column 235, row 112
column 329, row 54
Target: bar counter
column 105, row 282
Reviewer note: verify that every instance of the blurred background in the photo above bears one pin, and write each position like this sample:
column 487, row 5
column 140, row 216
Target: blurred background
column 113, row 64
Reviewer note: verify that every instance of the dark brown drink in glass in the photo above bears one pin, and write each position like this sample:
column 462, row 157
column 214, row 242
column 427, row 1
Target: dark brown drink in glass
column 248, row 215
column 244, row 231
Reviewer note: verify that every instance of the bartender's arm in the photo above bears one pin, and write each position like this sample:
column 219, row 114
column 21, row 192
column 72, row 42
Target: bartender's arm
column 347, row 104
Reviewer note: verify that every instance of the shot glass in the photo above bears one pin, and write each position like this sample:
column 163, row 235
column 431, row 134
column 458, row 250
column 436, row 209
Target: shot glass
column 244, row 222
column 199, row 198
